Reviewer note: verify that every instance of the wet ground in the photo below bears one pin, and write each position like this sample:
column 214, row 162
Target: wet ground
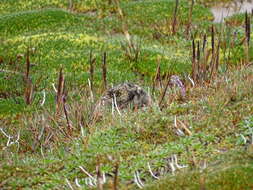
column 223, row 10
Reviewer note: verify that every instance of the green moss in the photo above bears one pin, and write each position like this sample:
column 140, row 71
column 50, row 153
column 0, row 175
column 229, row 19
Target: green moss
column 34, row 21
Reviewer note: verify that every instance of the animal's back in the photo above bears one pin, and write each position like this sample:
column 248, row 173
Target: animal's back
column 126, row 94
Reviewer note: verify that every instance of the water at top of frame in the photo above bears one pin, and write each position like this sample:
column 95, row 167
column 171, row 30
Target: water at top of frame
column 223, row 10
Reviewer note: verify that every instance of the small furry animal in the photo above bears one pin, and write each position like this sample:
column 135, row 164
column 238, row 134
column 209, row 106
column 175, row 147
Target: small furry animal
column 125, row 95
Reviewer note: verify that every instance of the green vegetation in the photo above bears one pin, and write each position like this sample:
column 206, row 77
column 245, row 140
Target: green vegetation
column 233, row 172
column 43, row 145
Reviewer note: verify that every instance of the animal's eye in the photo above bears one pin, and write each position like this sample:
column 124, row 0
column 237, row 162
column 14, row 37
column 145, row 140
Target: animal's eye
column 110, row 94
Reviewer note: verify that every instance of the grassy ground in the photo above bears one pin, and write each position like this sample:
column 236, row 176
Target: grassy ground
column 40, row 149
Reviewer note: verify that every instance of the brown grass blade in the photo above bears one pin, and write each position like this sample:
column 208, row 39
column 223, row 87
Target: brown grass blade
column 115, row 178
column 28, row 64
column 174, row 23
column 104, row 71
column 60, row 89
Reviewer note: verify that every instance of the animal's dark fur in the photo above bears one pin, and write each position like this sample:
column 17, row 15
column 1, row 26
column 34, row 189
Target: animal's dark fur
column 125, row 95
